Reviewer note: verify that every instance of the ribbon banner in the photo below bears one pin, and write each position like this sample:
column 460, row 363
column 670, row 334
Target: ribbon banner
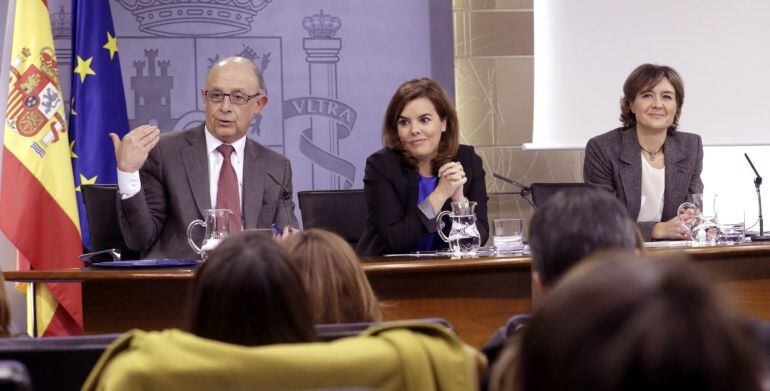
column 345, row 118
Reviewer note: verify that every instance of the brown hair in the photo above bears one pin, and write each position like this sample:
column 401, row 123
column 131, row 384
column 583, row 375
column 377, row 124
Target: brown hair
column 248, row 293
column 612, row 324
column 335, row 282
column 644, row 78
column 409, row 91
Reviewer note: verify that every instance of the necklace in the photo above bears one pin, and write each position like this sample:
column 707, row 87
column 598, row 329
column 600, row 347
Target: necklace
column 653, row 155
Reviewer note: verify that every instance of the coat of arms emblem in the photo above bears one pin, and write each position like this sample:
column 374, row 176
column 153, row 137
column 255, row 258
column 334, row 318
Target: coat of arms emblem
column 35, row 99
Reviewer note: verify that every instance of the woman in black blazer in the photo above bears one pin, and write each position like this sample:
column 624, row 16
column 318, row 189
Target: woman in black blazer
column 421, row 169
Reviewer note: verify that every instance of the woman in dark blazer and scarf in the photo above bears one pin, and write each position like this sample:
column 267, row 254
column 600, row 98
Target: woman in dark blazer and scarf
column 648, row 164
column 419, row 172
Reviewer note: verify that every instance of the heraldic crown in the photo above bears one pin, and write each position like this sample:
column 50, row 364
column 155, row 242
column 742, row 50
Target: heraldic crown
column 61, row 24
column 211, row 18
column 321, row 25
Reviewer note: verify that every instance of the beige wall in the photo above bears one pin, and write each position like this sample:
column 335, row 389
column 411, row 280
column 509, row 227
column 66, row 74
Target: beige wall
column 494, row 74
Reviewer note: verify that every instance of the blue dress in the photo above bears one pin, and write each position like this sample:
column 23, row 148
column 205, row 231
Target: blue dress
column 426, row 186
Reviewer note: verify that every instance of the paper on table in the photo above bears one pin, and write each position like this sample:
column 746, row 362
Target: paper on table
column 149, row 263
column 668, row 243
column 414, row 254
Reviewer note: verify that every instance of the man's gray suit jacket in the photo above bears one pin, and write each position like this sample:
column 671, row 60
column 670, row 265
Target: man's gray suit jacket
column 175, row 191
column 613, row 162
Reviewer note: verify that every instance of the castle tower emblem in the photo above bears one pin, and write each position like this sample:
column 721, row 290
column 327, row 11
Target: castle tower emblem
column 152, row 91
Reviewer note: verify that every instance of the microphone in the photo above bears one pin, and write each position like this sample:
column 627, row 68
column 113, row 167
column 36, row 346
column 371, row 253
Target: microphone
column 285, row 195
column 758, row 179
column 524, row 191
column 757, row 183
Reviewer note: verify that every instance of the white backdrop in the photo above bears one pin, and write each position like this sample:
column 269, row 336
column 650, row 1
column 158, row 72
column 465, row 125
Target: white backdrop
column 585, row 49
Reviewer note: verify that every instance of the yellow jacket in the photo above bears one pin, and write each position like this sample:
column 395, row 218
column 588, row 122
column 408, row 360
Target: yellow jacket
column 404, row 356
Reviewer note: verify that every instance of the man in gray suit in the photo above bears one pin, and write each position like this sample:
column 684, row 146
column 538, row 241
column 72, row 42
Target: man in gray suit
column 165, row 182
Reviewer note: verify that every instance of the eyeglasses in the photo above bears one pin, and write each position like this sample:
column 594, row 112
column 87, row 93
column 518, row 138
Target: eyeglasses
column 236, row 98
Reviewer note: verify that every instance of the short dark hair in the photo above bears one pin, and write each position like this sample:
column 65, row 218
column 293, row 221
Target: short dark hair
column 644, row 78
column 415, row 89
column 248, row 293
column 640, row 325
column 573, row 224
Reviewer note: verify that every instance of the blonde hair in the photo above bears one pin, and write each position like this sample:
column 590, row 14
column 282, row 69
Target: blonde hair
column 333, row 278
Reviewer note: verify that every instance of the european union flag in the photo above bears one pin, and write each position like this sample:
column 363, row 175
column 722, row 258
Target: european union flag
column 98, row 105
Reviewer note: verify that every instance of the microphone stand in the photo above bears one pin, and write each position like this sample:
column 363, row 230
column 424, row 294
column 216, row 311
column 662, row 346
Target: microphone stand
column 524, row 191
column 757, row 183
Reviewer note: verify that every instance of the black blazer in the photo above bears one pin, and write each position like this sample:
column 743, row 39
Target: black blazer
column 394, row 224
column 613, row 162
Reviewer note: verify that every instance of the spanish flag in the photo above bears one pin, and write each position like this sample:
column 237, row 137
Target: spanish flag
column 38, row 211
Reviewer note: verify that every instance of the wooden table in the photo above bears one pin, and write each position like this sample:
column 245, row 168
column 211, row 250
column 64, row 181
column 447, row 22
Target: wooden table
column 116, row 300
column 475, row 295
column 741, row 271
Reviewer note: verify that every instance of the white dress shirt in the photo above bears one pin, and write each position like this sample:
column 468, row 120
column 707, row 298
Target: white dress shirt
column 129, row 183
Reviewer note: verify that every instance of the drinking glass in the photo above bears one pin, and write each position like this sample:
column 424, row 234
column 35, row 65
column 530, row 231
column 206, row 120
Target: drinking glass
column 507, row 235
column 731, row 219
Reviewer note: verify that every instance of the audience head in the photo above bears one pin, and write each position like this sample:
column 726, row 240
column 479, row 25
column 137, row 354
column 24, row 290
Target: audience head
column 422, row 105
column 248, row 293
column 644, row 78
column 642, row 324
column 573, row 224
column 335, row 282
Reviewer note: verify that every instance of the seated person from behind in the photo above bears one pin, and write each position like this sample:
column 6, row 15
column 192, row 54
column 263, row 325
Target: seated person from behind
column 622, row 323
column 166, row 182
column 335, row 282
column 572, row 225
column 421, row 169
column 648, row 164
column 248, row 293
